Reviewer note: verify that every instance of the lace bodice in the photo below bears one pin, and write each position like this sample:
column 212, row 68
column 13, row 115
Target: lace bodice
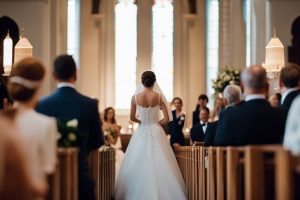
column 148, row 115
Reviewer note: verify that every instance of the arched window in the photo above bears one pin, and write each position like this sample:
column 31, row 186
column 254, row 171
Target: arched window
column 162, row 44
column 212, row 45
column 73, row 30
column 125, row 52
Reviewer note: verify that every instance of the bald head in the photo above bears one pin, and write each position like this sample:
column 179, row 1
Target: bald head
column 254, row 79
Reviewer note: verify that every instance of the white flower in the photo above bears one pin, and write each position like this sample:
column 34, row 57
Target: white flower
column 72, row 137
column 106, row 133
column 72, row 123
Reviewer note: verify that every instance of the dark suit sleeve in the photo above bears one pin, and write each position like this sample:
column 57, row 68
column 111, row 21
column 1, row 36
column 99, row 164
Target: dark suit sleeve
column 193, row 134
column 195, row 118
column 96, row 135
column 210, row 134
column 224, row 130
column 197, row 134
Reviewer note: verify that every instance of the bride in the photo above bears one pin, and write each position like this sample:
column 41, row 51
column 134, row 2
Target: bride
column 149, row 170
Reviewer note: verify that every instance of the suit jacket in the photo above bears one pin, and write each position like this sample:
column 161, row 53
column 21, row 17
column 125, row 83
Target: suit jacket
column 197, row 134
column 66, row 103
column 175, row 128
column 287, row 102
column 254, row 122
column 196, row 119
column 210, row 133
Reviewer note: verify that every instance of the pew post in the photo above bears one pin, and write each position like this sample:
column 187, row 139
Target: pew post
column 284, row 182
column 211, row 174
column 254, row 174
column 231, row 173
column 220, row 173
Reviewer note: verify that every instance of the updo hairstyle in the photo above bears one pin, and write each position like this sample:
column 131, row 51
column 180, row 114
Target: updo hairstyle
column 32, row 72
column 148, row 79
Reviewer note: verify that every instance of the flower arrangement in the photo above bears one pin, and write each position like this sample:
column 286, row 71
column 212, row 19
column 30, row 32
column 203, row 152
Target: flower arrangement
column 110, row 135
column 225, row 77
column 68, row 133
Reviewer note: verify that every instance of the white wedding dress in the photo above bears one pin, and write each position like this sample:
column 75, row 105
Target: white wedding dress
column 149, row 170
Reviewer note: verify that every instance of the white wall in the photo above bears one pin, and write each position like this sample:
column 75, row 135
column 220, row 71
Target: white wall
column 45, row 27
column 34, row 17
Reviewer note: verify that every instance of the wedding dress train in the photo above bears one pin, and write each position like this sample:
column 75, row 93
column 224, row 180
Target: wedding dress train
column 149, row 170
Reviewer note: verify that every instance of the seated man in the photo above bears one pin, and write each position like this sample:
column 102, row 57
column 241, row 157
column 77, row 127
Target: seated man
column 198, row 130
column 254, row 122
column 232, row 97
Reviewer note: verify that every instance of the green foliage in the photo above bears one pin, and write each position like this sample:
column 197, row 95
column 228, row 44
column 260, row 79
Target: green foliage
column 68, row 133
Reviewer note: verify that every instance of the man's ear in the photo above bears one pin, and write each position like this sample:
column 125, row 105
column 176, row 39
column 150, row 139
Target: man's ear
column 281, row 85
column 75, row 75
column 54, row 76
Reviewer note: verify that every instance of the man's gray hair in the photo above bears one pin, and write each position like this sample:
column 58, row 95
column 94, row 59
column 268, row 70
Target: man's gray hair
column 254, row 77
column 233, row 94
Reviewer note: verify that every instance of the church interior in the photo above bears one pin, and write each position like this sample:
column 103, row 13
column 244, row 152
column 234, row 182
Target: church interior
column 195, row 48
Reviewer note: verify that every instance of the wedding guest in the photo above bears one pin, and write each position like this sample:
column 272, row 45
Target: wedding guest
column 232, row 97
column 202, row 102
column 66, row 103
column 218, row 107
column 175, row 127
column 198, row 131
column 292, row 130
column 255, row 121
column 112, row 135
column 110, row 126
column 274, row 100
column 14, row 173
column 289, row 84
column 38, row 131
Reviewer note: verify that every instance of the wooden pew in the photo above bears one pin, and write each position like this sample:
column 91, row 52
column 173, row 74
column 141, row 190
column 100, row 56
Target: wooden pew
column 220, row 173
column 64, row 182
column 106, row 173
column 261, row 163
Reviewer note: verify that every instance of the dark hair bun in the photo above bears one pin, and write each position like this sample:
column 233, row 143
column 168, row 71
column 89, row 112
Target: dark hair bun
column 148, row 78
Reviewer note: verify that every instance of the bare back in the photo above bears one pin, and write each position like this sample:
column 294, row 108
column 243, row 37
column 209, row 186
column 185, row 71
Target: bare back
column 147, row 98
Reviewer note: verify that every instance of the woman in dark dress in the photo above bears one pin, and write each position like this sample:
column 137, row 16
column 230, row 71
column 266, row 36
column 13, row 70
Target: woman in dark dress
column 176, row 126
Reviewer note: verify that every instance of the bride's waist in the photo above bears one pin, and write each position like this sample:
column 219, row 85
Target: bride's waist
column 149, row 123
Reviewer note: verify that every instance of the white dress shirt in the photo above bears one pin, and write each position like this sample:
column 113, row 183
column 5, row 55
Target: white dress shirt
column 65, row 84
column 204, row 126
column 255, row 96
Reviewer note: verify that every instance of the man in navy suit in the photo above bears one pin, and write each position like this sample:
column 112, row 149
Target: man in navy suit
column 198, row 130
column 232, row 97
column 289, row 84
column 255, row 121
column 66, row 104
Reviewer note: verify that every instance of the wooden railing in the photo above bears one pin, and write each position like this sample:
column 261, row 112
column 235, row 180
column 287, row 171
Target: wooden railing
column 106, row 176
column 64, row 182
column 233, row 173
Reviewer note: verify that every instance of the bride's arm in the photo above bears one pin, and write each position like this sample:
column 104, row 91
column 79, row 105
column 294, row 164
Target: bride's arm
column 133, row 111
column 165, row 120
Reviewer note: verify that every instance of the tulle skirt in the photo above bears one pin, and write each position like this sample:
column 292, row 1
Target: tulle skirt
column 149, row 170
